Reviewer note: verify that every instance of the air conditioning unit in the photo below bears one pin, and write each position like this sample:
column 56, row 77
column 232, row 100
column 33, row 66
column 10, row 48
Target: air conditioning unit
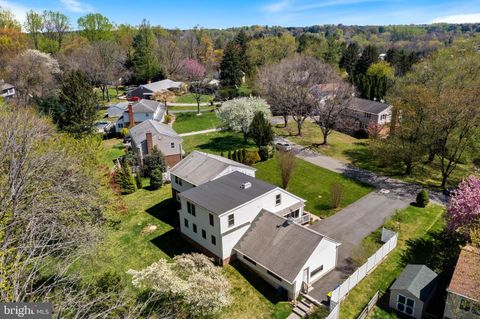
column 246, row 185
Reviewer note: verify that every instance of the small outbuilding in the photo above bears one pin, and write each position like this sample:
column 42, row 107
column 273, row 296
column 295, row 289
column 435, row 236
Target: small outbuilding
column 413, row 290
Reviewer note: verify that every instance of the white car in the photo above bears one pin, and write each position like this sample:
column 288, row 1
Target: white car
column 282, row 146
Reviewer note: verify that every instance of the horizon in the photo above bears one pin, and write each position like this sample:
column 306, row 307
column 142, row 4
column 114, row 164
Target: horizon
column 215, row 14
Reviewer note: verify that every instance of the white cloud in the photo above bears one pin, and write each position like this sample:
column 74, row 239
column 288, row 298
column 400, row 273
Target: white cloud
column 19, row 11
column 76, row 6
column 277, row 6
column 459, row 18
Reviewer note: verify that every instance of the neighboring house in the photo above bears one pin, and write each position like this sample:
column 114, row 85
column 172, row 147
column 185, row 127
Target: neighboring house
column 367, row 112
column 146, row 91
column 150, row 133
column 463, row 292
column 140, row 111
column 117, row 110
column 411, row 293
column 199, row 168
column 6, row 90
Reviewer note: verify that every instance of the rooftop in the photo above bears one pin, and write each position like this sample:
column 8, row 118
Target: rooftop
column 199, row 167
column 5, row 86
column 162, row 85
column 419, row 280
column 466, row 277
column 278, row 245
column 156, row 128
column 368, row 106
column 146, row 106
column 225, row 193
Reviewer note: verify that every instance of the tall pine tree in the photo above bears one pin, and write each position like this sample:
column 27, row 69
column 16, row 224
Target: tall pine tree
column 145, row 65
column 349, row 59
column 231, row 67
column 369, row 56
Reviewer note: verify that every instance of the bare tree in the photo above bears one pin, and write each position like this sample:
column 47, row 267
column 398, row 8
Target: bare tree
column 331, row 103
column 170, row 55
column 287, row 86
column 286, row 165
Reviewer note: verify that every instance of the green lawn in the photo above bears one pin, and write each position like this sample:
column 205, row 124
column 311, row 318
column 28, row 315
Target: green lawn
column 416, row 226
column 313, row 183
column 190, row 98
column 216, row 142
column 203, row 108
column 113, row 150
column 191, row 122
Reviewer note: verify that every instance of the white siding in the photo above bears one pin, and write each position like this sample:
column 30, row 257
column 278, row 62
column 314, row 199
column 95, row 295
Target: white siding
column 230, row 169
column 181, row 188
column 138, row 117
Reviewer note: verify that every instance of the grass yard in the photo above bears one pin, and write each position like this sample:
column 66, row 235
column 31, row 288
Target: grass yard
column 314, row 183
column 113, row 150
column 191, row 122
column 190, row 98
column 203, row 108
column 415, row 226
column 216, row 142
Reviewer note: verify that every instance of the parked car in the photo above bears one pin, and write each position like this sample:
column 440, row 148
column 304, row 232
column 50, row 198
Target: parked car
column 282, row 146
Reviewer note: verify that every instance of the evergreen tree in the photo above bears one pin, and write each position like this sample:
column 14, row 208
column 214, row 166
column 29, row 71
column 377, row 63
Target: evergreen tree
column 156, row 178
column 78, row 103
column 260, row 130
column 241, row 41
column 349, row 59
column 240, row 156
column 124, row 178
column 138, row 180
column 221, row 154
column 231, row 66
column 369, row 56
column 145, row 65
column 153, row 161
column 244, row 155
column 235, row 155
column 229, row 154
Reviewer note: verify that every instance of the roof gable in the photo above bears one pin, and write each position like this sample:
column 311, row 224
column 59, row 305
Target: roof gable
column 138, row 131
column 419, row 280
column 199, row 167
column 278, row 245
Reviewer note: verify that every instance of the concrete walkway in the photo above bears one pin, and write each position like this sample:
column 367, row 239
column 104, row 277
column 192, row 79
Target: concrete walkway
column 201, row 132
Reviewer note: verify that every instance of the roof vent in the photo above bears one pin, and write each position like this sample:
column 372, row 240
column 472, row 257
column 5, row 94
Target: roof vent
column 246, row 185
column 290, row 220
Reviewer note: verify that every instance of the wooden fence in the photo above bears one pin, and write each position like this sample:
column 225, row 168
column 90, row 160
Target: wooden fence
column 369, row 307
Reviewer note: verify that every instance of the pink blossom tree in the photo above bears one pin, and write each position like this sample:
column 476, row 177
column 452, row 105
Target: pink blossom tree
column 194, row 72
column 463, row 212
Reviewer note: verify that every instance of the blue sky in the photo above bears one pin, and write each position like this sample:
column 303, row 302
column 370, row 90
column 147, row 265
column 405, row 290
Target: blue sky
column 228, row 13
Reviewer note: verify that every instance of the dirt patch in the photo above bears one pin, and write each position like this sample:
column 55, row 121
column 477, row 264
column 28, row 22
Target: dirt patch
column 149, row 229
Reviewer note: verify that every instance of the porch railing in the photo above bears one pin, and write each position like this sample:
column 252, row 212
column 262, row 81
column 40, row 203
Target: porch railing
column 304, row 219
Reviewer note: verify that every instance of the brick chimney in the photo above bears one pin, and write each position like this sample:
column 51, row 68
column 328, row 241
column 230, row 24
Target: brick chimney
column 149, row 139
column 130, row 116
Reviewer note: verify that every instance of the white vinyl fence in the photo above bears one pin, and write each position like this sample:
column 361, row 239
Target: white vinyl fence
column 334, row 313
column 341, row 291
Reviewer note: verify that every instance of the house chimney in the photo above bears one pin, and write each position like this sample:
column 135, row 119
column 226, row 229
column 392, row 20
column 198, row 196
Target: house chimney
column 148, row 137
column 130, row 115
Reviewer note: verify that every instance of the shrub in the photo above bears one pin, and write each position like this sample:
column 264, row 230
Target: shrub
column 124, row 132
column 286, row 165
column 229, row 155
column 264, row 153
column 240, row 157
column 156, row 178
column 422, row 198
column 138, row 180
column 221, row 154
column 336, row 193
column 168, row 118
column 153, row 161
column 125, row 180
column 251, row 158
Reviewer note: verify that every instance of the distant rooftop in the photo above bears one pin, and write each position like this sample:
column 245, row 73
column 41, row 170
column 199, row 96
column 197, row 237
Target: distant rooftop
column 162, row 85
column 368, row 106
column 466, row 277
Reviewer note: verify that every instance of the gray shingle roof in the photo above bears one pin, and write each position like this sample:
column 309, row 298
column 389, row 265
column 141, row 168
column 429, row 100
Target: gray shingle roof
column 146, row 106
column 281, row 247
column 419, row 280
column 5, row 86
column 117, row 110
column 199, row 167
column 162, row 85
column 368, row 106
column 225, row 193
column 138, row 131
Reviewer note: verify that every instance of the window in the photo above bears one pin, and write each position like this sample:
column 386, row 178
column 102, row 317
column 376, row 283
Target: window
column 185, row 222
column 214, row 240
column 120, row 125
column 178, row 181
column 249, row 260
column 147, row 114
column 316, row 271
column 384, row 117
column 278, row 199
column 465, row 305
column 194, row 228
column 191, row 208
column 231, row 220
column 204, row 234
column 367, row 115
column 405, row 305
column 172, row 145
column 294, row 214
column 211, row 219
column 273, row 275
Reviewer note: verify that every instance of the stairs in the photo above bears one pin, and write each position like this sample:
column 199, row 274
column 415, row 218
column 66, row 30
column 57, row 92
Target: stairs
column 301, row 309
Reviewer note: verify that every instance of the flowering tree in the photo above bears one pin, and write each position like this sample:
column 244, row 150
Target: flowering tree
column 237, row 114
column 191, row 278
column 194, row 72
column 463, row 212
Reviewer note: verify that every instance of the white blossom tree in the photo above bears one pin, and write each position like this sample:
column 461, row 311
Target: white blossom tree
column 193, row 279
column 237, row 114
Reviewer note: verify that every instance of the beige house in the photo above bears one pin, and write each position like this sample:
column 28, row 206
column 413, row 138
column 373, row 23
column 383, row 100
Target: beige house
column 463, row 292
column 150, row 134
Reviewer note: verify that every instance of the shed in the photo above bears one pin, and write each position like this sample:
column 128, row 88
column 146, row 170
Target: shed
column 413, row 290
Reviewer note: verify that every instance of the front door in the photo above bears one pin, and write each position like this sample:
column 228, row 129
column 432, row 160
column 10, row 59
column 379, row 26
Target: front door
column 306, row 275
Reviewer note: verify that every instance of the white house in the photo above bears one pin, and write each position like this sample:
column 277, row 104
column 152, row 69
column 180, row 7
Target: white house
column 6, row 90
column 140, row 111
column 199, row 167
column 228, row 217
column 117, row 110
column 150, row 134
column 146, row 91
column 367, row 112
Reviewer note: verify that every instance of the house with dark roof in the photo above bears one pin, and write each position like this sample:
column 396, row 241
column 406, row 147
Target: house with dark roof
column 463, row 292
column 237, row 215
column 139, row 111
column 6, row 90
column 366, row 112
column 199, row 168
column 150, row 134
column 411, row 293
column 146, row 91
